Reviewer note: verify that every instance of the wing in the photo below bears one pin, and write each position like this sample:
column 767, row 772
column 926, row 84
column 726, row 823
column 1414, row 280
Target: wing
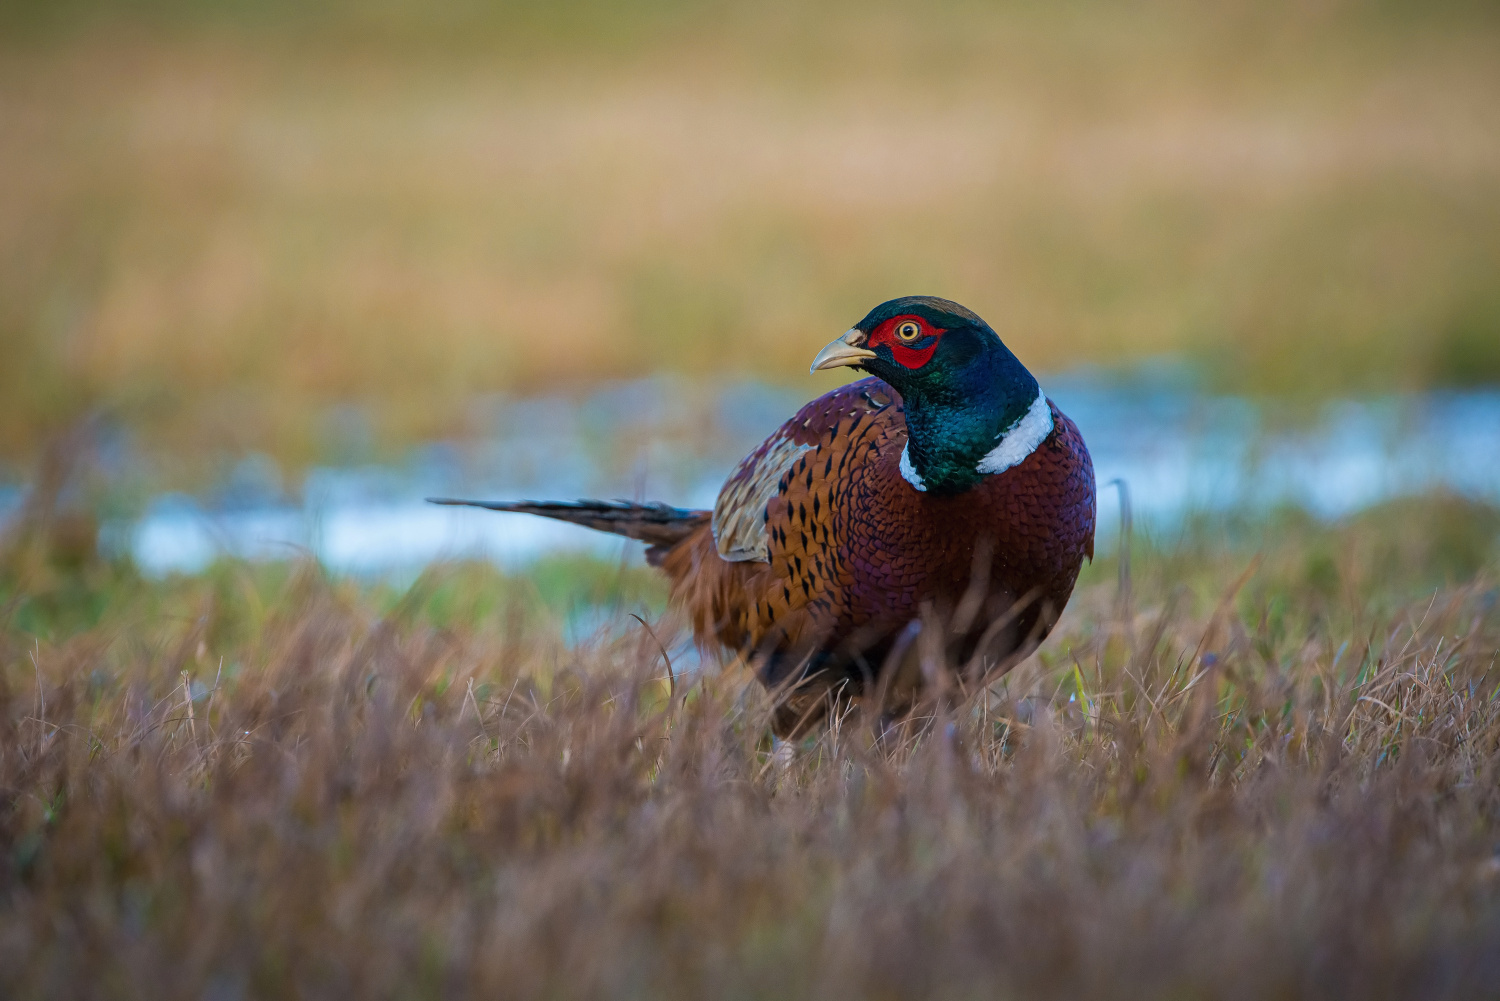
column 771, row 570
column 740, row 527
column 739, row 523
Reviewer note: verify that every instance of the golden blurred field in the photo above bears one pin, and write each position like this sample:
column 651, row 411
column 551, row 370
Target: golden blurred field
column 218, row 220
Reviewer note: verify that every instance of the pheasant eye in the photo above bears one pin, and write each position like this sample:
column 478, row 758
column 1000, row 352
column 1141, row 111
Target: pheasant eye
column 908, row 331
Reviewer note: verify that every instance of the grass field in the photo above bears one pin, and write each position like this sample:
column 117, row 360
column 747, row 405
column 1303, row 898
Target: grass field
column 1269, row 770
column 220, row 220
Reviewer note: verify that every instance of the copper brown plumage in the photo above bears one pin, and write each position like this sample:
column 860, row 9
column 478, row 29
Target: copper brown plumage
column 829, row 541
column 856, row 554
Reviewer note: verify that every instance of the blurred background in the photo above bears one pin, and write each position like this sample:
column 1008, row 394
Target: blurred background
column 272, row 271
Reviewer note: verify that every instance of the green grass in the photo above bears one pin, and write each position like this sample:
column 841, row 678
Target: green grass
column 1273, row 772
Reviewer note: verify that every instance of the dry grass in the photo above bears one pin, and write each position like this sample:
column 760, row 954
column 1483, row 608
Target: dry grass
column 1269, row 778
column 221, row 223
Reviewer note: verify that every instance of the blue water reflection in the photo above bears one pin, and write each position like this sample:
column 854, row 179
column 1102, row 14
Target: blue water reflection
column 1180, row 451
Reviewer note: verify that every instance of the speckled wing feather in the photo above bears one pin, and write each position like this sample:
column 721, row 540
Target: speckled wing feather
column 739, row 523
column 781, row 504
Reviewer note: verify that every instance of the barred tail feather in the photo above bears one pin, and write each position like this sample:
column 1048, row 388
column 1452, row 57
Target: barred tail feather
column 655, row 523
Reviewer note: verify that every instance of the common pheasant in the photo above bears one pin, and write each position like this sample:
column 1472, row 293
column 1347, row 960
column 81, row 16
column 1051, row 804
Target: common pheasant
column 945, row 491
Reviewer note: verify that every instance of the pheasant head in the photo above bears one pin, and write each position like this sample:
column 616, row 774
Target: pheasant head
column 972, row 409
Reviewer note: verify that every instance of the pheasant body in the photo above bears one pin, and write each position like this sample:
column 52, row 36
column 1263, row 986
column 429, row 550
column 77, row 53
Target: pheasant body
column 966, row 503
column 855, row 553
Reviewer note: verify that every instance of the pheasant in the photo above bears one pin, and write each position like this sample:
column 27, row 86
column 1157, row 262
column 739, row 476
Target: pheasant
column 943, row 491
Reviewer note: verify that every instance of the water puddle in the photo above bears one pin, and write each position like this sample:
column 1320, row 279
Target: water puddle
column 1180, row 452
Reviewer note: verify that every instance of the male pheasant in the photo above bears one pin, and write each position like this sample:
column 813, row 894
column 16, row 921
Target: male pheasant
column 945, row 490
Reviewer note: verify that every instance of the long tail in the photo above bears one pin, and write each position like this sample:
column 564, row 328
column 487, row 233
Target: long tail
column 656, row 524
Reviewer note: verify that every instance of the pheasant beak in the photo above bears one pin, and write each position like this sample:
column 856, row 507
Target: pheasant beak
column 846, row 349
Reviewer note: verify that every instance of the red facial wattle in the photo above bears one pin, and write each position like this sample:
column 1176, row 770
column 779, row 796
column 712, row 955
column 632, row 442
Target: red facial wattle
column 912, row 353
